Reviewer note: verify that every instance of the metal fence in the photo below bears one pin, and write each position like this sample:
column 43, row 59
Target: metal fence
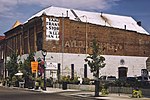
column 126, row 90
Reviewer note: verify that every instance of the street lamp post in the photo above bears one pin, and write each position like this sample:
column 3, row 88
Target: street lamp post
column 86, row 34
column 86, row 41
column 44, row 53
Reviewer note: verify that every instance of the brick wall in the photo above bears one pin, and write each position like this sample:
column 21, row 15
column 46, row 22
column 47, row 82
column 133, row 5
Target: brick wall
column 112, row 41
column 23, row 38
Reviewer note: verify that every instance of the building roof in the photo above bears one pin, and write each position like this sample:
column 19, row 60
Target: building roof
column 2, row 37
column 116, row 21
column 17, row 23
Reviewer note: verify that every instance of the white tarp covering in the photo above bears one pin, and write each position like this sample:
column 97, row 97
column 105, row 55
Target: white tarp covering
column 116, row 21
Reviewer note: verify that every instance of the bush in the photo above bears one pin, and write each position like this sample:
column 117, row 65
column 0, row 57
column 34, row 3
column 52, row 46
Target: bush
column 49, row 82
column 68, row 80
column 3, row 82
column 30, row 82
column 104, row 90
column 75, row 80
column 42, row 84
column 134, row 83
column 86, row 81
column 64, row 79
column 136, row 93
column 14, row 81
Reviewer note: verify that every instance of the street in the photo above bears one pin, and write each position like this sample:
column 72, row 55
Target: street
column 20, row 94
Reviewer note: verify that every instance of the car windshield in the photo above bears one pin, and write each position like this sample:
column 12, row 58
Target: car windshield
column 111, row 78
column 140, row 78
column 103, row 78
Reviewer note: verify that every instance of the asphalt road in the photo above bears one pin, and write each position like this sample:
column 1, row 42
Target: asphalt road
column 20, row 94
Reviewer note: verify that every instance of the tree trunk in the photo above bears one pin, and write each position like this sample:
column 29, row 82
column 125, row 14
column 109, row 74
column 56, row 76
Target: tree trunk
column 96, row 88
column 97, row 84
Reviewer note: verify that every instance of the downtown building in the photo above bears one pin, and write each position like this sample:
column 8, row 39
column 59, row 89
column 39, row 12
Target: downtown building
column 67, row 36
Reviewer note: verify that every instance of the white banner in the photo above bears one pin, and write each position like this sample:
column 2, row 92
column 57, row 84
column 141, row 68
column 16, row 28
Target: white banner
column 51, row 66
column 52, row 29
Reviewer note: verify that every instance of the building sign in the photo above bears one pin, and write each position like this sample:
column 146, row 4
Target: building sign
column 34, row 66
column 52, row 29
column 81, row 44
column 51, row 66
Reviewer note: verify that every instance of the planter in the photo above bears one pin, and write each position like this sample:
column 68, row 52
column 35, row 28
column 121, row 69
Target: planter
column 37, row 85
column 64, row 85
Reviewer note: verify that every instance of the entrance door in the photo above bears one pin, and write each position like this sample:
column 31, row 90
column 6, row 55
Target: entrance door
column 122, row 72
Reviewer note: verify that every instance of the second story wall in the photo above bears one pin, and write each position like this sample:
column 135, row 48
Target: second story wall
column 33, row 36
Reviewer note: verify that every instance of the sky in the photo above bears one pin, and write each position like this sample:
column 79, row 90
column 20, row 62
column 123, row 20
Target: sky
column 12, row 10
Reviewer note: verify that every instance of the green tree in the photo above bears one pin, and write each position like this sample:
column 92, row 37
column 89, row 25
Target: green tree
column 26, row 67
column 96, row 62
column 12, row 65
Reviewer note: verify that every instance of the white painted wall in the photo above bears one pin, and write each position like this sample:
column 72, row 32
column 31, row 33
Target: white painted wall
column 133, row 63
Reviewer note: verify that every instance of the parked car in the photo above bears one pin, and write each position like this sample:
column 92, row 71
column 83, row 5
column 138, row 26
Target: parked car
column 103, row 78
column 108, row 78
column 111, row 78
column 140, row 78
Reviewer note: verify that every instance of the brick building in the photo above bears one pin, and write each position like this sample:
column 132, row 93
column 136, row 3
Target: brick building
column 67, row 36
column 1, row 55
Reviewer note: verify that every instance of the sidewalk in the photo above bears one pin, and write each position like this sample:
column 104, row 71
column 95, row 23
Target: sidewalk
column 87, row 94
column 56, row 90
column 84, row 94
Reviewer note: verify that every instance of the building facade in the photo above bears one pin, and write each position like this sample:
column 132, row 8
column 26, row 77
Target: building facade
column 2, row 38
column 67, row 36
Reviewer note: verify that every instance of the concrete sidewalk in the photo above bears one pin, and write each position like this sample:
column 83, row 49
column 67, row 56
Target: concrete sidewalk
column 56, row 90
column 87, row 94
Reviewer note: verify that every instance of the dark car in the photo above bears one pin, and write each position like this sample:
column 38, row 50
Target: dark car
column 108, row 79
column 140, row 78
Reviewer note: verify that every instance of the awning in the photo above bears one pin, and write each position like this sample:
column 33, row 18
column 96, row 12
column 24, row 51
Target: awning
column 19, row 74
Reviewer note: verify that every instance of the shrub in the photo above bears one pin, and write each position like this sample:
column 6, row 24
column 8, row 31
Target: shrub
column 74, row 81
column 68, row 80
column 49, row 82
column 86, row 81
column 42, row 84
column 3, row 82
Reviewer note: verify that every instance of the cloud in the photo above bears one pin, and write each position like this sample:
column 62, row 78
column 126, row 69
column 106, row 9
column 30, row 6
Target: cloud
column 11, row 5
column 6, row 5
column 78, row 4
column 7, row 8
column 12, row 10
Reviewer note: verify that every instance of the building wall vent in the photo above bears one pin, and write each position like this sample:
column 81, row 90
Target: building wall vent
column 139, row 23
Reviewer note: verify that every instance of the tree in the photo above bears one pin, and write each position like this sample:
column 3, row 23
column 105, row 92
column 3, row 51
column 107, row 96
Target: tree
column 95, row 62
column 12, row 66
column 26, row 67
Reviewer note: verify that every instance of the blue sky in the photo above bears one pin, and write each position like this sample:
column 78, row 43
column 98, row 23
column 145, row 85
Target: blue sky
column 12, row 10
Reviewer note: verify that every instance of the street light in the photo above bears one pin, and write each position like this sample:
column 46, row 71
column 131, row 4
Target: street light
column 86, row 44
column 86, row 35
column 44, row 53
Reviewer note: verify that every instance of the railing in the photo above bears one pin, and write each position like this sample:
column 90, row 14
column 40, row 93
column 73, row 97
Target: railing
column 126, row 90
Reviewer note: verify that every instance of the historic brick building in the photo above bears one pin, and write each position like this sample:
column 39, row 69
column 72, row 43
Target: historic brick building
column 1, row 55
column 67, row 36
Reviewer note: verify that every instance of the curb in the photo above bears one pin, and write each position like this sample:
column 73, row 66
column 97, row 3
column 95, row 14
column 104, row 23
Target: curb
column 80, row 94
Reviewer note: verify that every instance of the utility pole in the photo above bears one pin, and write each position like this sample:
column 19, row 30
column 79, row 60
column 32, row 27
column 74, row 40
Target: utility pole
column 62, row 42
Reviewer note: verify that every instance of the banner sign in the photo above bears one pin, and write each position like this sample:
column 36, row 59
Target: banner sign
column 52, row 29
